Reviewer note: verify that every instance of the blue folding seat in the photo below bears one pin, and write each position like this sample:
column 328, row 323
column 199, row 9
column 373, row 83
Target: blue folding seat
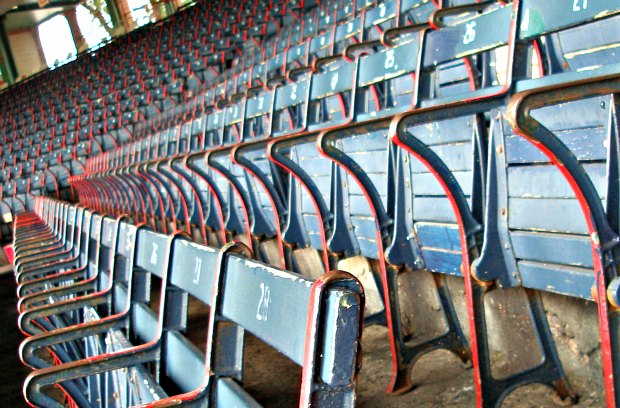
column 435, row 142
column 242, row 83
column 219, row 92
column 5, row 175
column 72, row 123
column 9, row 189
column 9, row 206
column 41, row 163
column 27, row 168
column 347, row 33
column 84, row 132
column 206, row 200
column 275, row 68
column 263, row 232
column 46, row 147
column 330, row 102
column 16, row 146
column 380, row 19
column 562, row 254
column 22, row 156
column 58, row 143
column 37, row 184
column 84, row 119
column 29, row 139
column 147, row 110
column 61, row 174
column 16, row 171
column 160, row 335
column 368, row 190
column 63, row 303
column 258, row 75
column 71, row 138
column 65, row 270
column 546, row 210
column 22, row 188
column 233, row 213
column 290, row 106
column 31, row 128
column 319, row 47
column 143, row 324
column 181, row 199
column 230, row 87
column 10, row 159
column 161, row 192
column 56, row 249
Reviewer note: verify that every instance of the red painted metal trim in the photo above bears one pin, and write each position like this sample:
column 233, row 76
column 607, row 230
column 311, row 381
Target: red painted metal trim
column 465, row 269
column 601, row 289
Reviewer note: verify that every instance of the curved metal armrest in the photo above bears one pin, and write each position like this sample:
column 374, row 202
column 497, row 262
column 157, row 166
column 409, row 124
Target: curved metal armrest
column 26, row 319
column 603, row 238
column 519, row 112
column 37, row 380
column 29, row 301
column 35, row 252
column 27, row 231
column 271, row 83
column 38, row 237
column 237, row 97
column 319, row 63
column 294, row 73
column 43, row 257
column 35, row 286
column 21, row 276
column 38, row 240
column 355, row 50
column 437, row 17
column 30, row 345
column 34, row 235
column 389, row 37
column 221, row 103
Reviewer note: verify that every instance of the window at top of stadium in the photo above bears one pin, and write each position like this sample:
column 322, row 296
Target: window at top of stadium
column 56, row 41
column 95, row 24
column 141, row 12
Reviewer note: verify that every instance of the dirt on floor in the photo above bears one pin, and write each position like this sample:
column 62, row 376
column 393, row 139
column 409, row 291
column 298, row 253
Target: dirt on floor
column 440, row 379
column 13, row 372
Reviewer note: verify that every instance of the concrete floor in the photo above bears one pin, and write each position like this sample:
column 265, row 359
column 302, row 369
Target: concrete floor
column 13, row 372
column 441, row 381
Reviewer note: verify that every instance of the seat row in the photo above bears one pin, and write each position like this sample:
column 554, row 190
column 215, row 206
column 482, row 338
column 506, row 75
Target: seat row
column 145, row 74
column 143, row 62
column 50, row 126
column 409, row 166
column 104, row 304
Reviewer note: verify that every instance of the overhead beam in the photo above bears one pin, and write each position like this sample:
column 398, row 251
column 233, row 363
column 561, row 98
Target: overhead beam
column 9, row 70
column 115, row 16
column 34, row 6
